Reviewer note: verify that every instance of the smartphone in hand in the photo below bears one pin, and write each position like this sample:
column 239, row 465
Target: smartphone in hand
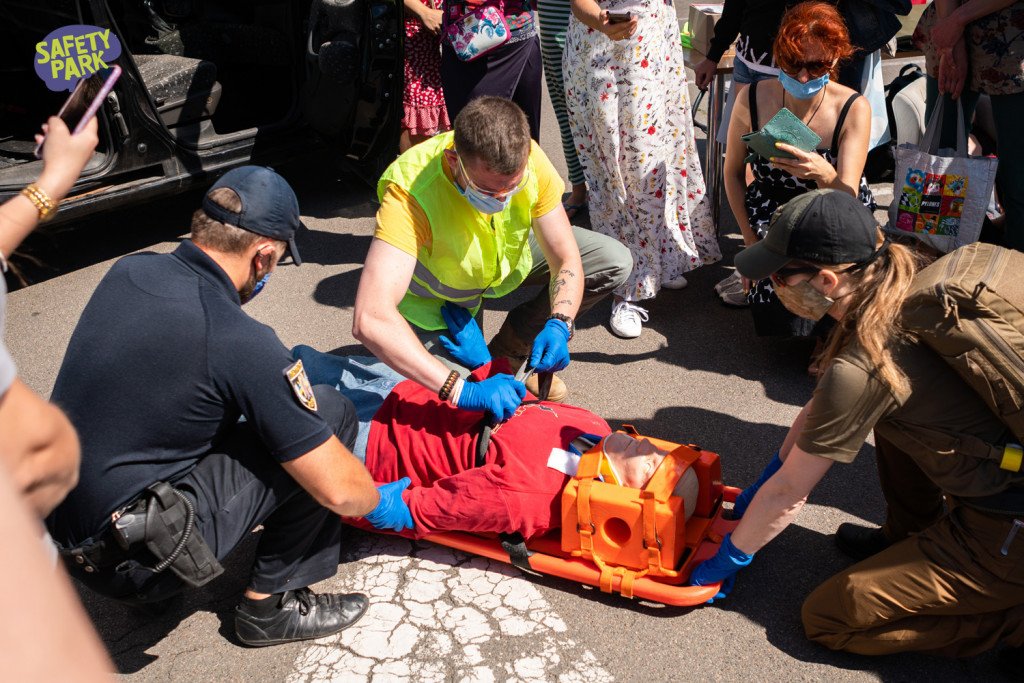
column 85, row 100
column 619, row 17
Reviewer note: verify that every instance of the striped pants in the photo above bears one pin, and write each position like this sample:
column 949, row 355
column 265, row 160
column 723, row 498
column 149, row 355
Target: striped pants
column 554, row 19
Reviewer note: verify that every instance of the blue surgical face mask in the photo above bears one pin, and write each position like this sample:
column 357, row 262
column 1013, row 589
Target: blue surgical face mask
column 484, row 203
column 257, row 288
column 802, row 91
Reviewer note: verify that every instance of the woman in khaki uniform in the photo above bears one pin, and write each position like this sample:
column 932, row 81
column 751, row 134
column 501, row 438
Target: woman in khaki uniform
column 947, row 579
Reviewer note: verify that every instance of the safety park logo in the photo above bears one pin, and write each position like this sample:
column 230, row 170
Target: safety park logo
column 72, row 53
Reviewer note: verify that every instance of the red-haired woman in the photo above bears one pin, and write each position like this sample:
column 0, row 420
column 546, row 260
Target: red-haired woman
column 811, row 42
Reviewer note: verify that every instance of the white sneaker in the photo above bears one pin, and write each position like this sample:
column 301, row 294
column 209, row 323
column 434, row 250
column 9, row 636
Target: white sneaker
column 729, row 282
column 676, row 283
column 627, row 319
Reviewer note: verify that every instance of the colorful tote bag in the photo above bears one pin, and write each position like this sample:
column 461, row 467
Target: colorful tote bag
column 478, row 32
column 940, row 195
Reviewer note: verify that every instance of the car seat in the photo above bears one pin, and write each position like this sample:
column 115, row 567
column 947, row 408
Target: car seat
column 184, row 89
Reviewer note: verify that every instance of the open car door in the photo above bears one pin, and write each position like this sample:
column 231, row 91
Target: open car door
column 353, row 89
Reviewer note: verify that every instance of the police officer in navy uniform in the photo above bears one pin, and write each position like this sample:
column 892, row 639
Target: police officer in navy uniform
column 167, row 379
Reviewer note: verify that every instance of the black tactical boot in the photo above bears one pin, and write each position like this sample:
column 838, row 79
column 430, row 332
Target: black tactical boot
column 296, row 615
column 860, row 542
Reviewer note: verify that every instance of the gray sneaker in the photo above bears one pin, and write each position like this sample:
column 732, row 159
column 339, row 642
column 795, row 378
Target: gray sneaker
column 729, row 282
column 733, row 294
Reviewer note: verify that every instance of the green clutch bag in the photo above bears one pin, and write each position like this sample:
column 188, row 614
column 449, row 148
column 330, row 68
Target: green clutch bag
column 784, row 127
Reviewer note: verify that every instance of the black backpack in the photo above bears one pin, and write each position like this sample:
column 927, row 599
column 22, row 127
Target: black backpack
column 882, row 159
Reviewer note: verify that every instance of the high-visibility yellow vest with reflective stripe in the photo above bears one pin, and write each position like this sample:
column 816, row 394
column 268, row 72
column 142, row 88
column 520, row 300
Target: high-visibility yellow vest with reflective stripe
column 472, row 255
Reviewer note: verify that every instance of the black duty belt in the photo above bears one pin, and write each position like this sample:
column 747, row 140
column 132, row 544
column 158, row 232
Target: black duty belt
column 92, row 556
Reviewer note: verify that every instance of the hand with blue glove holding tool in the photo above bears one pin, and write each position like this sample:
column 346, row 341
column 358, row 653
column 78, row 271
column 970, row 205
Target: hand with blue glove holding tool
column 550, row 352
column 391, row 512
column 722, row 567
column 466, row 345
column 739, row 507
column 498, row 396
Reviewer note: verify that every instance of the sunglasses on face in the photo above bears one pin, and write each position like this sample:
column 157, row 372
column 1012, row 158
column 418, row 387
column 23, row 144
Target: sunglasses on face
column 816, row 68
column 491, row 193
column 782, row 275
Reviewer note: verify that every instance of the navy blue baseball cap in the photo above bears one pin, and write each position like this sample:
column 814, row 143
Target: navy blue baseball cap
column 269, row 206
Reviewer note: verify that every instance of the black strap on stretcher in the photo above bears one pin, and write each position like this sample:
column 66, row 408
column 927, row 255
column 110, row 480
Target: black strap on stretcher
column 543, row 389
column 514, row 544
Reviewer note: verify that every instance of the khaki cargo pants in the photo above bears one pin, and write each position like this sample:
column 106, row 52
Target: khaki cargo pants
column 946, row 590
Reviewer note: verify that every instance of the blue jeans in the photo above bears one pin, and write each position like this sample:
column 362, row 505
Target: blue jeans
column 364, row 380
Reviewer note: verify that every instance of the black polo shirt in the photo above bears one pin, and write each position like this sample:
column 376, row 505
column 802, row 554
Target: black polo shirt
column 161, row 366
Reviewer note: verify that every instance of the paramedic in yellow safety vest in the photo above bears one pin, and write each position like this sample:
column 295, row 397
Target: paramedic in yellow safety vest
column 944, row 578
column 454, row 225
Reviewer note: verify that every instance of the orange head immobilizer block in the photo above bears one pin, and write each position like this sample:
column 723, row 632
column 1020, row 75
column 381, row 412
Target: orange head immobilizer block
column 631, row 532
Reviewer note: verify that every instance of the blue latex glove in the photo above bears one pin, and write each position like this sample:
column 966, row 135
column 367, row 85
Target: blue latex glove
column 498, row 396
column 391, row 512
column 739, row 508
column 469, row 347
column 722, row 567
column 551, row 347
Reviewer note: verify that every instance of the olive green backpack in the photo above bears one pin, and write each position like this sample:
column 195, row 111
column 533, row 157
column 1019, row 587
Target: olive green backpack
column 968, row 306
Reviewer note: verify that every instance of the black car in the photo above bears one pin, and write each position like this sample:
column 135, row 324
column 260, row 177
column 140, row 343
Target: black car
column 208, row 85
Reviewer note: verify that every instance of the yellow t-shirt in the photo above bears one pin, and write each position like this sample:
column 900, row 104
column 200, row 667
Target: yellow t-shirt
column 403, row 224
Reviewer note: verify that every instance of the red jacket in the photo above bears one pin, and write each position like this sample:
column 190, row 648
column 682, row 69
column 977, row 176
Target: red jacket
column 414, row 434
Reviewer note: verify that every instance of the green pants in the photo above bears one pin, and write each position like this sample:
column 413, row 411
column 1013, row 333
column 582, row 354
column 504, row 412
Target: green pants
column 606, row 265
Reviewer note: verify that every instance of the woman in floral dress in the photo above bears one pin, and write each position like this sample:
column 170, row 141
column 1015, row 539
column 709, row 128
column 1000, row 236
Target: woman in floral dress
column 629, row 111
column 425, row 113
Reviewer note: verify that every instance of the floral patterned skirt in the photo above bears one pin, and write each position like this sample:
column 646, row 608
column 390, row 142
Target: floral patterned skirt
column 629, row 112
column 425, row 113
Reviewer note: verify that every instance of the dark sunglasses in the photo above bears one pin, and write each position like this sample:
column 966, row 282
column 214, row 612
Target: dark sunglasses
column 816, row 68
column 786, row 273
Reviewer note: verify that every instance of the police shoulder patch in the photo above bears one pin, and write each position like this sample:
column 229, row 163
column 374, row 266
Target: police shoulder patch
column 299, row 383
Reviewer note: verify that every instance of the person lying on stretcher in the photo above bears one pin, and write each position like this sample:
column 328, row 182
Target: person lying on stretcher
column 426, row 448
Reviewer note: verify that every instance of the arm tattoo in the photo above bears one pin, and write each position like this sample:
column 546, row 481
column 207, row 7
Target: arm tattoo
column 559, row 281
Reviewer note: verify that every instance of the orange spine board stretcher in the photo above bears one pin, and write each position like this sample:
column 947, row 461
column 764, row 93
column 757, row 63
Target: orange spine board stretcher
column 612, row 551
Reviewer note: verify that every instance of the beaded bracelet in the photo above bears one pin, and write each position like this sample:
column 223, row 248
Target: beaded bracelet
column 41, row 200
column 449, row 384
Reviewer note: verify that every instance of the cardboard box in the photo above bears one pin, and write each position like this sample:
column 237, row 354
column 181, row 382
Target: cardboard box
column 703, row 17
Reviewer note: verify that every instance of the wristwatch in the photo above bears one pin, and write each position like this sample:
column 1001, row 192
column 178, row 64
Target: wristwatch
column 565, row 319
